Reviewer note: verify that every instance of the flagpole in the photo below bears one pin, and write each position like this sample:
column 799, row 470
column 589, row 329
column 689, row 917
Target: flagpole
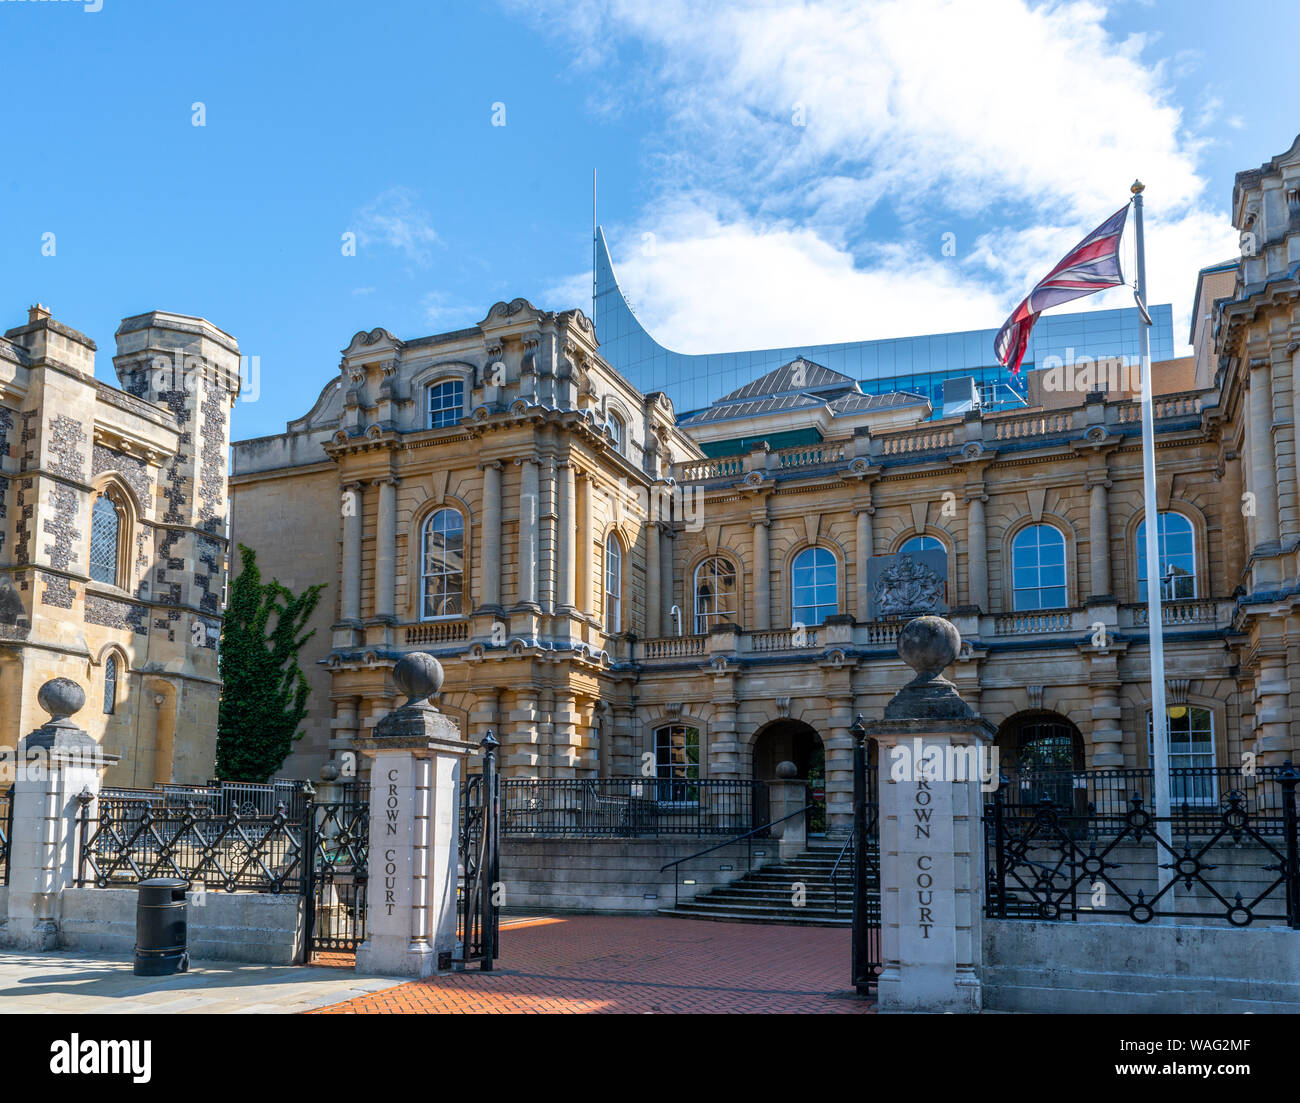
column 1155, row 618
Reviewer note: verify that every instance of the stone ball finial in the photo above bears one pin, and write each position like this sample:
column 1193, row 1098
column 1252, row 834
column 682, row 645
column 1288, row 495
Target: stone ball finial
column 329, row 772
column 61, row 697
column 928, row 645
column 419, row 676
column 786, row 770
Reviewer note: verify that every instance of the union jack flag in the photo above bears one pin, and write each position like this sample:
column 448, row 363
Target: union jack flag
column 1092, row 265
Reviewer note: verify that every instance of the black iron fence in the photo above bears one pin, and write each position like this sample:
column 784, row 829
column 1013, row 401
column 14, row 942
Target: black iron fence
column 246, row 798
column 631, row 807
column 128, row 837
column 1089, row 848
column 6, row 831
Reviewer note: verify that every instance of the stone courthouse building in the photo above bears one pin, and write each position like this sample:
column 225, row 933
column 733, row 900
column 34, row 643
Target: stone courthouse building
column 614, row 590
column 113, row 535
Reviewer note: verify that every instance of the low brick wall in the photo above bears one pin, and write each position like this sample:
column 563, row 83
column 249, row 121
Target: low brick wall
column 1103, row 967
column 254, row 927
column 615, row 875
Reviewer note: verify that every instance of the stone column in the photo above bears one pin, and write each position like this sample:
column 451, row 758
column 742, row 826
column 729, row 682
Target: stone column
column 977, row 552
column 353, row 503
column 490, row 552
column 931, row 839
column 762, row 576
column 526, row 568
column 1263, row 471
column 862, row 552
column 1294, row 350
column 653, row 578
column 1099, row 537
column 1273, row 712
column 58, row 771
column 564, row 582
column 386, row 549
column 415, row 758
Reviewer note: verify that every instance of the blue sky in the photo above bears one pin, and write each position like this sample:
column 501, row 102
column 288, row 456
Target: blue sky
column 769, row 173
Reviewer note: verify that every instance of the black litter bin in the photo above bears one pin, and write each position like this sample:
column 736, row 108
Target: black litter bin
column 161, row 928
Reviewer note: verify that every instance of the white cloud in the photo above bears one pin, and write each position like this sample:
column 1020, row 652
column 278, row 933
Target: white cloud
column 393, row 219
column 1027, row 122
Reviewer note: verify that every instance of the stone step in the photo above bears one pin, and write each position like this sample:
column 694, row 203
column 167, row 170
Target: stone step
column 794, row 917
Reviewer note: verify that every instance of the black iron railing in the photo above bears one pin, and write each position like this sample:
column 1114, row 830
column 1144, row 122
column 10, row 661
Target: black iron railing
column 6, row 831
column 247, row 798
column 1236, row 860
column 1101, row 798
column 125, row 840
column 631, row 807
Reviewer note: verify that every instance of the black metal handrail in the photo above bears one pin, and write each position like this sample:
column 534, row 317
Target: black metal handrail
column 6, row 831
column 748, row 836
column 835, row 870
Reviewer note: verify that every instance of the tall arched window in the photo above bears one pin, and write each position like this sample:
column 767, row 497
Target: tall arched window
column 814, row 589
column 1038, row 568
column 442, row 567
column 110, row 685
column 921, row 543
column 715, row 593
column 613, row 585
column 1177, row 548
column 446, row 403
column 105, row 538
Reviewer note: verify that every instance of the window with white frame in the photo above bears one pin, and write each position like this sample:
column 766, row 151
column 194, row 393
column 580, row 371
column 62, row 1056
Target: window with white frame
column 1191, row 755
column 446, row 403
column 677, row 762
column 715, row 593
column 613, row 585
column 1176, row 546
column 442, row 565
column 1038, row 568
column 617, row 430
column 814, row 586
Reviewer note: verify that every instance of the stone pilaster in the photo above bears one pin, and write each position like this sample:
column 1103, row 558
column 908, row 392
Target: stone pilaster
column 863, row 549
column 653, row 579
column 353, row 507
column 490, row 539
column 1099, row 573
column 526, row 567
column 585, row 559
column 977, row 561
column 1263, row 467
column 565, row 533
column 762, row 581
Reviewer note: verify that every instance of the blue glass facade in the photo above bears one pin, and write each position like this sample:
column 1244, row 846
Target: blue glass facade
column 916, row 364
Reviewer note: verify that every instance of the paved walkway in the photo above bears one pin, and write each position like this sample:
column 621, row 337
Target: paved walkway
column 49, row 984
column 640, row 965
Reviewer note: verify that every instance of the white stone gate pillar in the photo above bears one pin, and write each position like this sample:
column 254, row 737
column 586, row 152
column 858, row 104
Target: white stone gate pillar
column 931, row 840
column 56, row 764
column 415, row 760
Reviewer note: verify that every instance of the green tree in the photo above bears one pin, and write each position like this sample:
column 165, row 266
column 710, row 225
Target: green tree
column 264, row 692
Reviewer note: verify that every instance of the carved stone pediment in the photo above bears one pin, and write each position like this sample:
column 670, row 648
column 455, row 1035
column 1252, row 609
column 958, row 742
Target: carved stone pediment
column 376, row 340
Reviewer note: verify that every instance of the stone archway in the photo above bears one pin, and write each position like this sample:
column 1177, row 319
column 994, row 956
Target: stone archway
column 797, row 742
column 1042, row 750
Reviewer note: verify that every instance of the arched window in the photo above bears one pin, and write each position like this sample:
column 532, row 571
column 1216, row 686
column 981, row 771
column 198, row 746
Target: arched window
column 1177, row 548
column 1191, row 755
column 105, row 538
column 677, row 762
column 1038, row 568
column 446, row 403
column 814, row 590
column 442, row 567
column 110, row 685
column 613, row 585
column 921, row 543
column 617, row 430
column 715, row 593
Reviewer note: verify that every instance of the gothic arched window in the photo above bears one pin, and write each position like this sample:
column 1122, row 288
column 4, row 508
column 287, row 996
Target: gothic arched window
column 106, row 538
column 110, row 685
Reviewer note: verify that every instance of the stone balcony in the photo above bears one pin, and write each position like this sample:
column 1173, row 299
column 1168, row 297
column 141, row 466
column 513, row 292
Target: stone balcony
column 936, row 440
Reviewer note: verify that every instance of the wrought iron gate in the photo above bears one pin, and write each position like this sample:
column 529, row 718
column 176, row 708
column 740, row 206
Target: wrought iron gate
column 866, row 867
column 338, row 836
column 477, row 908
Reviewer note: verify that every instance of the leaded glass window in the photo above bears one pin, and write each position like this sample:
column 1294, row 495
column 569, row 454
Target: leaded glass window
column 105, row 539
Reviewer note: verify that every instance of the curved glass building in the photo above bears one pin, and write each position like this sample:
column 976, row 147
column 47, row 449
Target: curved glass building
column 915, row 364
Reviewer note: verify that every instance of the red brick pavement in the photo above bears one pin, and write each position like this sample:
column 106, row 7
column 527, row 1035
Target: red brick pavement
column 640, row 965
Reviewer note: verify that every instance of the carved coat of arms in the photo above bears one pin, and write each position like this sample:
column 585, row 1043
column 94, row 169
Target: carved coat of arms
column 907, row 587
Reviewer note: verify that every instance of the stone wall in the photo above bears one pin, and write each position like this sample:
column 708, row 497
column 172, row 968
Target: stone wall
column 256, row 927
column 1109, row 968
column 615, row 875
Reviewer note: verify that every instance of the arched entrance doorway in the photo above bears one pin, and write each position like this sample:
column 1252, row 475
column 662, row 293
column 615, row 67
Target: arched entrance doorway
column 1042, row 751
column 797, row 742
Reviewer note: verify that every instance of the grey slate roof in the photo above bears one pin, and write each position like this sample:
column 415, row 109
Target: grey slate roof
column 786, row 379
